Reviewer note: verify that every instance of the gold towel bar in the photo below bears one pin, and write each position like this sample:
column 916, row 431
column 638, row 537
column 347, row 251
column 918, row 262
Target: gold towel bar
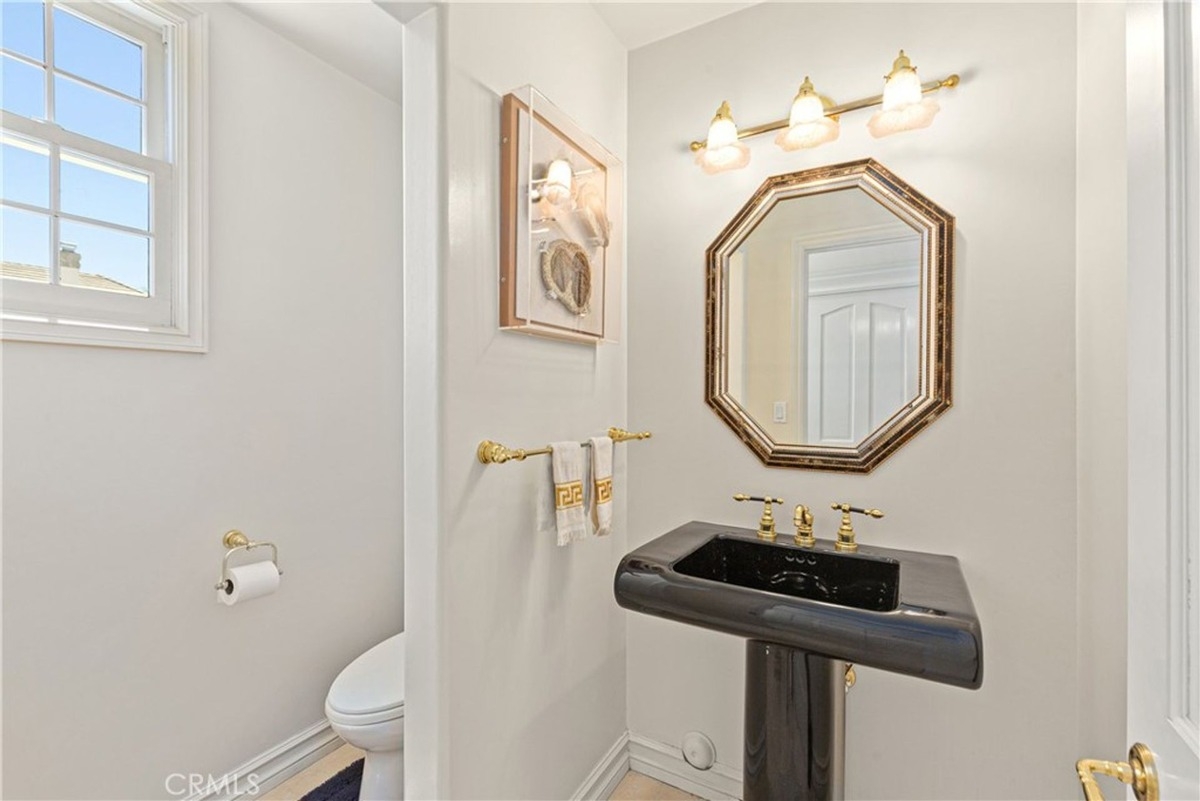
column 494, row 453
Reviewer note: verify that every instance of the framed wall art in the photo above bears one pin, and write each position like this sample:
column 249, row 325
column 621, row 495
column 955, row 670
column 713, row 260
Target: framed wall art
column 560, row 225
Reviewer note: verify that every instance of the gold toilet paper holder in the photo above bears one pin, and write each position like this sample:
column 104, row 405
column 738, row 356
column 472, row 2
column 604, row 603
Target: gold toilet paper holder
column 235, row 541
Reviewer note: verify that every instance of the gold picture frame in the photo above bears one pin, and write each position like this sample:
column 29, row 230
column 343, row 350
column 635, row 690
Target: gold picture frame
column 561, row 243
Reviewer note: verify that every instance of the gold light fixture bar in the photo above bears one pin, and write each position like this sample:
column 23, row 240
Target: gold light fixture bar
column 490, row 452
column 854, row 105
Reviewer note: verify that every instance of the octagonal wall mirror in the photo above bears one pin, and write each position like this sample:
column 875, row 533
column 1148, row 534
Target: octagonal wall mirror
column 829, row 317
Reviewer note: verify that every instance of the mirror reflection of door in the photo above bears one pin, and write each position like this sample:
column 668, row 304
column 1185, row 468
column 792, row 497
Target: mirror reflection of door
column 823, row 318
column 863, row 309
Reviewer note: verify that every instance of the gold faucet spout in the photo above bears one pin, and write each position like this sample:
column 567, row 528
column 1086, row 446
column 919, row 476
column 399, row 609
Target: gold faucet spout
column 802, row 519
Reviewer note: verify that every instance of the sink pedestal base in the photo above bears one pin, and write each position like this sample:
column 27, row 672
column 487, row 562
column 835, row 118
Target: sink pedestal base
column 795, row 725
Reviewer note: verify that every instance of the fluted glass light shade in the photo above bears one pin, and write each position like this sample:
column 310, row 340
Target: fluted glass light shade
column 807, row 124
column 557, row 188
column 723, row 151
column 904, row 108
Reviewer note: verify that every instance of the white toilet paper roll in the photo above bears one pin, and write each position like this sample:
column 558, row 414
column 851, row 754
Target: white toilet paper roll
column 249, row 581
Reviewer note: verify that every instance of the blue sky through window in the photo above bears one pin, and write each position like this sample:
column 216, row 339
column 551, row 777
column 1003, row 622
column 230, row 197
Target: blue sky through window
column 26, row 237
column 24, row 87
column 23, row 29
column 26, row 172
column 88, row 187
column 91, row 52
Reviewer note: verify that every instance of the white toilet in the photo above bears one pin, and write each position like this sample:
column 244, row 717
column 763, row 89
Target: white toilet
column 365, row 706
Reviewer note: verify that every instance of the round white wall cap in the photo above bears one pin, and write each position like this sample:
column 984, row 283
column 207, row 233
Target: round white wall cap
column 698, row 750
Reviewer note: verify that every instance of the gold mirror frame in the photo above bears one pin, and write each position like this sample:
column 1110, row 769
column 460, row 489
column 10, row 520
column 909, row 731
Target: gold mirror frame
column 936, row 228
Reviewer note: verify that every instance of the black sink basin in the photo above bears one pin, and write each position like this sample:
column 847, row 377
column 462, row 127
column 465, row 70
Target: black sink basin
column 903, row 611
column 862, row 582
column 805, row 613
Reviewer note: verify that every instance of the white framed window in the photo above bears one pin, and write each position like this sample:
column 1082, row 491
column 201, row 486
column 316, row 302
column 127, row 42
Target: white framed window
column 102, row 218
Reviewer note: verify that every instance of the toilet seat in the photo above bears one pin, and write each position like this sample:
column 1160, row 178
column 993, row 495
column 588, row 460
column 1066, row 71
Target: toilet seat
column 371, row 688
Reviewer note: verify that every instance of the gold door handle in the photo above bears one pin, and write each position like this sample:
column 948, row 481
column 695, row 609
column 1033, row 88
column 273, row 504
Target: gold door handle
column 1139, row 772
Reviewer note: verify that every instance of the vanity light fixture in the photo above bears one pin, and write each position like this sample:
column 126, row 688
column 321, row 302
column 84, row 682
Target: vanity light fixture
column 813, row 119
column 722, row 150
column 556, row 186
column 905, row 108
column 807, row 124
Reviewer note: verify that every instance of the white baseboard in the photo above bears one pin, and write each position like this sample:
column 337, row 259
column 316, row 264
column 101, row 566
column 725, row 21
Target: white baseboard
column 655, row 759
column 658, row 761
column 665, row 762
column 273, row 766
column 607, row 774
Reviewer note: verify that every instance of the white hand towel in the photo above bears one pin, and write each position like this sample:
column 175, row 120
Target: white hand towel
column 546, row 515
column 567, row 472
column 602, row 486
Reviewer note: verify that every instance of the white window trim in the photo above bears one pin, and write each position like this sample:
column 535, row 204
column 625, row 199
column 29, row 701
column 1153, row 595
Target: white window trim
column 68, row 321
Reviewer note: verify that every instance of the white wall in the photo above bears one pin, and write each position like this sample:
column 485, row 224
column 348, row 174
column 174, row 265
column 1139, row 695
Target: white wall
column 123, row 468
column 993, row 481
column 426, row 751
column 535, row 644
column 1101, row 328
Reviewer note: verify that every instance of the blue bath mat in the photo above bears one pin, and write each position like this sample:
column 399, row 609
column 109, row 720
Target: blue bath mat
column 343, row 786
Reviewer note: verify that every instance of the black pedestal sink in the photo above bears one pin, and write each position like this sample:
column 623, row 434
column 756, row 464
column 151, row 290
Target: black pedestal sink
column 806, row 613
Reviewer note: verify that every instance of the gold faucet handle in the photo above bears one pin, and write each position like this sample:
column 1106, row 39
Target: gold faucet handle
column 802, row 519
column 766, row 524
column 845, row 535
column 846, row 508
column 765, row 499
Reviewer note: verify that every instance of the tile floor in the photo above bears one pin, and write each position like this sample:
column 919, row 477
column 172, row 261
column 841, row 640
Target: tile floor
column 312, row 776
column 634, row 787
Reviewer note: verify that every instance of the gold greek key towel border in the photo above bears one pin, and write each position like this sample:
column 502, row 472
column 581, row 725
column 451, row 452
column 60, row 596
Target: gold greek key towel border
column 604, row 490
column 569, row 495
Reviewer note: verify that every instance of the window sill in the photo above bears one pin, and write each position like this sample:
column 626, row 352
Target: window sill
column 32, row 328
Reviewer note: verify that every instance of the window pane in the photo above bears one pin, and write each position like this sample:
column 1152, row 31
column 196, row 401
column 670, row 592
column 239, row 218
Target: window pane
column 105, row 192
column 23, row 88
column 101, row 56
column 101, row 258
column 26, row 172
column 93, row 113
column 25, row 245
column 23, row 28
